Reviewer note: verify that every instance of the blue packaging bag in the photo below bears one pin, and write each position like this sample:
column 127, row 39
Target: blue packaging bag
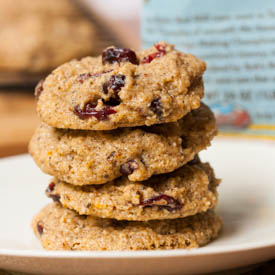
column 237, row 40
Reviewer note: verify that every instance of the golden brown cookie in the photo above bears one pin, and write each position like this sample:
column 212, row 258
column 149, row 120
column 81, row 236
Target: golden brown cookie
column 59, row 228
column 122, row 88
column 95, row 157
column 187, row 191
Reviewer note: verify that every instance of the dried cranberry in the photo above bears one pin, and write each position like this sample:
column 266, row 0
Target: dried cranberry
column 89, row 111
column 112, row 55
column 129, row 167
column 113, row 101
column 160, row 52
column 105, row 87
column 172, row 203
column 40, row 227
column 39, row 88
column 160, row 48
column 54, row 197
column 156, row 107
column 82, row 77
column 50, row 187
column 187, row 242
column 116, row 82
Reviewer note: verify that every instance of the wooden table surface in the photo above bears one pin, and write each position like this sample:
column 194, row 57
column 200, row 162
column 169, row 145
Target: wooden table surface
column 17, row 121
column 261, row 269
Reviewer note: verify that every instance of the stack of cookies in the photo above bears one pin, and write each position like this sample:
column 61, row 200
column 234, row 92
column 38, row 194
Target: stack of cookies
column 121, row 134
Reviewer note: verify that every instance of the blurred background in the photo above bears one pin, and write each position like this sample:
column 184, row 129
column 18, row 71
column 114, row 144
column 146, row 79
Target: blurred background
column 37, row 36
column 235, row 38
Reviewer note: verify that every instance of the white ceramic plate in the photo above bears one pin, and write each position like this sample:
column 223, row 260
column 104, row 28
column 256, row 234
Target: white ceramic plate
column 247, row 205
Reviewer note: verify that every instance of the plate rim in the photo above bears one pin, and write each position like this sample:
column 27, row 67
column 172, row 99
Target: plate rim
column 203, row 251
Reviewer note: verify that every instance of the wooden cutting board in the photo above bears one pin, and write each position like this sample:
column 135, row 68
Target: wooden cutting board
column 17, row 121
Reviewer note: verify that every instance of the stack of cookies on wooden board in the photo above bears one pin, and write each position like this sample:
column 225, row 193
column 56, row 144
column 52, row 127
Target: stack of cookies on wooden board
column 121, row 134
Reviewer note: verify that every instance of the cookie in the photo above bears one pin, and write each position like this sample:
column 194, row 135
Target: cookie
column 122, row 88
column 16, row 8
column 37, row 38
column 59, row 228
column 96, row 157
column 187, row 191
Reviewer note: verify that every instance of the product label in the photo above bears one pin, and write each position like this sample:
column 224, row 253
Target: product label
column 237, row 40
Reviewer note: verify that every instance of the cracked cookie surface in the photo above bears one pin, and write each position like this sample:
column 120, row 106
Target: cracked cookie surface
column 122, row 88
column 63, row 229
column 187, row 191
column 96, row 157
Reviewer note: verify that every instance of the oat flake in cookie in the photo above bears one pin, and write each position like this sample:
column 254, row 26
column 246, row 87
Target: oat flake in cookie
column 187, row 191
column 122, row 88
column 96, row 157
column 62, row 229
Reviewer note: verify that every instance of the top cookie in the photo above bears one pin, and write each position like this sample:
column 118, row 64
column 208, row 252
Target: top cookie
column 122, row 88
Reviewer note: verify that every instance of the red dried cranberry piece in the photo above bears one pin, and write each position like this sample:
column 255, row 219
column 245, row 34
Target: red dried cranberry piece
column 51, row 187
column 54, row 197
column 129, row 167
column 160, row 48
column 112, row 55
column 160, row 52
column 39, row 88
column 156, row 107
column 172, row 203
column 40, row 227
column 148, row 59
column 82, row 77
column 116, row 82
column 89, row 111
